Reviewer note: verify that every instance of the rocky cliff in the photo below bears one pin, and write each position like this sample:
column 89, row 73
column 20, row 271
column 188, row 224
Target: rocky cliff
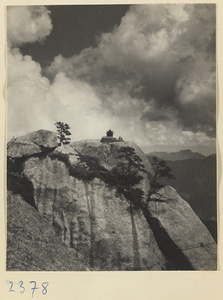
column 179, row 232
column 32, row 244
column 79, row 192
column 196, row 183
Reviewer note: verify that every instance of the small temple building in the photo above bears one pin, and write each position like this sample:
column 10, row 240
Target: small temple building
column 109, row 137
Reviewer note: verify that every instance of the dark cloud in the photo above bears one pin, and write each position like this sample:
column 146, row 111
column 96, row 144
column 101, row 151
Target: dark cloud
column 158, row 52
column 151, row 77
column 75, row 27
column 155, row 116
column 200, row 115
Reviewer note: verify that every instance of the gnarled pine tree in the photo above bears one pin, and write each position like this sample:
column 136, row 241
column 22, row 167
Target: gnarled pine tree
column 62, row 133
column 161, row 170
column 127, row 175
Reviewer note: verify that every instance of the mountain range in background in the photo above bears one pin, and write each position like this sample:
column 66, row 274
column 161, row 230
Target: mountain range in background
column 180, row 155
column 195, row 181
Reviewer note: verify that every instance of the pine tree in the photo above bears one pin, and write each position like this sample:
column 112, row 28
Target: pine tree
column 127, row 174
column 62, row 133
column 161, row 170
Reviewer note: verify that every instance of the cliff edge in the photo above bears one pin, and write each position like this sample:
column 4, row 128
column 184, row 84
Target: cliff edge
column 80, row 191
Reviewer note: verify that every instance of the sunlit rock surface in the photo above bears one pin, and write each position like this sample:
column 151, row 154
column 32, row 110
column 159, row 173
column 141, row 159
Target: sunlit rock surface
column 32, row 244
column 31, row 143
column 170, row 215
column 90, row 217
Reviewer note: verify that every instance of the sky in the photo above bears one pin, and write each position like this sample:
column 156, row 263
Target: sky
column 145, row 71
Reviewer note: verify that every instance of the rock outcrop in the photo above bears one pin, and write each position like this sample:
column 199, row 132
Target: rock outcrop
column 180, row 232
column 31, row 143
column 71, row 188
column 89, row 216
column 32, row 244
column 107, row 154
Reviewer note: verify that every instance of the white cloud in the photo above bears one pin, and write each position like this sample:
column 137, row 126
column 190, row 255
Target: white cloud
column 34, row 103
column 160, row 52
column 76, row 103
column 27, row 91
column 143, row 80
column 27, row 24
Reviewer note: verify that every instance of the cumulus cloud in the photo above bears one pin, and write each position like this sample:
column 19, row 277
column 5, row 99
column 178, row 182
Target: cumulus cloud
column 27, row 24
column 34, row 102
column 27, row 88
column 152, row 79
column 26, row 93
column 163, row 55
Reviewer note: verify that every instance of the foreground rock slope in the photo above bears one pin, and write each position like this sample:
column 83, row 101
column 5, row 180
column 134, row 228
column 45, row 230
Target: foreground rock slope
column 32, row 244
column 72, row 190
column 174, row 223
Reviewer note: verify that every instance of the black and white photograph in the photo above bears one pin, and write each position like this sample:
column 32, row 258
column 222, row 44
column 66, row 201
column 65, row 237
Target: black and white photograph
column 111, row 138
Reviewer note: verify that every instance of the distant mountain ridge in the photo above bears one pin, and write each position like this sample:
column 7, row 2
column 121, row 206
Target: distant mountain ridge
column 180, row 155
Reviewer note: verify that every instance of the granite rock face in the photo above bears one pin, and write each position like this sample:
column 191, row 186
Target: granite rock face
column 31, row 143
column 32, row 244
column 107, row 154
column 174, row 223
column 90, row 216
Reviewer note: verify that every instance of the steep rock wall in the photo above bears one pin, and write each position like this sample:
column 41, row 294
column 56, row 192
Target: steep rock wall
column 32, row 244
column 107, row 154
column 180, row 233
column 92, row 218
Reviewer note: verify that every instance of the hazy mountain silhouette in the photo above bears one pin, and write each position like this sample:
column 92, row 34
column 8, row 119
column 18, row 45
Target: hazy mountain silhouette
column 180, row 155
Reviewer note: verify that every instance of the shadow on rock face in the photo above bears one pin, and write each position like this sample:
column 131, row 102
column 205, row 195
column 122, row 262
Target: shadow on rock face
column 21, row 186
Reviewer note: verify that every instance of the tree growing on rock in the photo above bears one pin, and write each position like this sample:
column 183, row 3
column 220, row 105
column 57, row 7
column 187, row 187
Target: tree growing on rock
column 161, row 170
column 127, row 174
column 63, row 133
